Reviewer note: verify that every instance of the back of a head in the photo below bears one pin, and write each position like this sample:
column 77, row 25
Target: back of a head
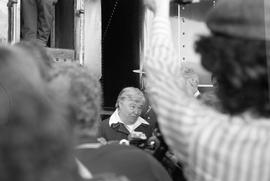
column 42, row 57
column 237, row 53
column 84, row 92
column 34, row 140
column 134, row 163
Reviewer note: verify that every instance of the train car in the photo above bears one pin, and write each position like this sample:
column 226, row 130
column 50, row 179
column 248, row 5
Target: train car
column 111, row 37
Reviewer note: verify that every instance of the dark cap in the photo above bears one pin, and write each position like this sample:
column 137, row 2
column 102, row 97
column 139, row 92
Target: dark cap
column 241, row 18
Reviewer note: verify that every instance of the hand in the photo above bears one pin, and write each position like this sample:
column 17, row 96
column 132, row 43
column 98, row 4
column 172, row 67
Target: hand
column 103, row 141
column 153, row 142
column 159, row 7
column 192, row 85
column 136, row 135
column 151, row 4
column 191, row 79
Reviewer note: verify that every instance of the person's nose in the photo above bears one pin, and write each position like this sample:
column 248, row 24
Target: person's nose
column 137, row 111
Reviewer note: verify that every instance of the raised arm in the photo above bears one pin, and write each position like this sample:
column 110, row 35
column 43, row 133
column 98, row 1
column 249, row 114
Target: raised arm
column 177, row 111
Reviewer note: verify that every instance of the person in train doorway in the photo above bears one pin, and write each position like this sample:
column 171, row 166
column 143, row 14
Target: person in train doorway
column 81, row 90
column 37, row 19
column 126, row 122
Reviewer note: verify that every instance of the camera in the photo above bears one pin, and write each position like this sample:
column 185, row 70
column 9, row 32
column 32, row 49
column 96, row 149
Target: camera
column 152, row 143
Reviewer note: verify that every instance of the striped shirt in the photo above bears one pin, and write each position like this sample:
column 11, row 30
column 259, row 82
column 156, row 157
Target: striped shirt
column 213, row 146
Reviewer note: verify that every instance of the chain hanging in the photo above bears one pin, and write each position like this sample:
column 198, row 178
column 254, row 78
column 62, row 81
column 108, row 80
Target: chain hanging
column 110, row 19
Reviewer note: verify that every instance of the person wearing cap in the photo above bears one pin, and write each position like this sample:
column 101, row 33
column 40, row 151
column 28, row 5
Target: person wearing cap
column 126, row 120
column 213, row 145
column 37, row 20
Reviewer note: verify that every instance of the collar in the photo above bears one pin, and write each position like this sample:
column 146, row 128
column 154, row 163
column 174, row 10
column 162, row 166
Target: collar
column 116, row 119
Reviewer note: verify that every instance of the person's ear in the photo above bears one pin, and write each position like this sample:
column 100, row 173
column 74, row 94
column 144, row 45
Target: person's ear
column 120, row 104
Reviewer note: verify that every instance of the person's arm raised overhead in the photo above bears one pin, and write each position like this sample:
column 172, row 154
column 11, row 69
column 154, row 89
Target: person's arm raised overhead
column 178, row 112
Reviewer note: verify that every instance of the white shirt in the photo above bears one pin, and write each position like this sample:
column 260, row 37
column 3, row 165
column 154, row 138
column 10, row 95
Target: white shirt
column 116, row 119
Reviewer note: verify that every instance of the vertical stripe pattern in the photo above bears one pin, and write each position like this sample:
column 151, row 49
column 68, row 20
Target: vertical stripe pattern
column 213, row 146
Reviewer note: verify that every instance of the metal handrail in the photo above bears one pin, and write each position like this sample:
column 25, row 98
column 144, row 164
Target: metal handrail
column 13, row 21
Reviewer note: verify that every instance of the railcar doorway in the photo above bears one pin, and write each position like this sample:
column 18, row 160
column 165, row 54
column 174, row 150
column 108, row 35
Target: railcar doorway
column 67, row 34
column 121, row 31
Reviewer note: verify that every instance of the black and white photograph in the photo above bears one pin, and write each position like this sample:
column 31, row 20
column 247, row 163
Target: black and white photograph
column 134, row 90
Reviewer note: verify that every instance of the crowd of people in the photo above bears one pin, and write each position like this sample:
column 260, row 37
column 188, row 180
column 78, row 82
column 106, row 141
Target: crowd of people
column 50, row 116
column 50, row 122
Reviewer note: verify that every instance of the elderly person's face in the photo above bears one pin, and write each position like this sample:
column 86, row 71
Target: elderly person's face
column 130, row 110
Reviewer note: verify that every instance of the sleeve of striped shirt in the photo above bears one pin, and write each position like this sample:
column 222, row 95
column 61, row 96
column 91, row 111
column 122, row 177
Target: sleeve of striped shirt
column 214, row 146
column 178, row 113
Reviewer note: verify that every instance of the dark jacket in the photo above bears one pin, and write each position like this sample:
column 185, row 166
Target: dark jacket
column 118, row 131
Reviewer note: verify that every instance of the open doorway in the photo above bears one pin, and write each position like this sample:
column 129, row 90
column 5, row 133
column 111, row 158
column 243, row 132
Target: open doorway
column 121, row 32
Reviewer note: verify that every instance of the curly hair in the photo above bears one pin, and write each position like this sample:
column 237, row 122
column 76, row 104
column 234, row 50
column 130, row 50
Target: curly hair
column 43, row 58
column 35, row 141
column 84, row 92
column 240, row 68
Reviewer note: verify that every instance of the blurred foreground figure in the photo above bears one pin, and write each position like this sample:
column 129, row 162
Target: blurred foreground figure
column 41, row 56
column 35, row 141
column 37, row 20
column 212, row 145
column 94, row 159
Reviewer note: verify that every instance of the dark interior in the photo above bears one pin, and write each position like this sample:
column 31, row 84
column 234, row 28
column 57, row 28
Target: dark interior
column 121, row 32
